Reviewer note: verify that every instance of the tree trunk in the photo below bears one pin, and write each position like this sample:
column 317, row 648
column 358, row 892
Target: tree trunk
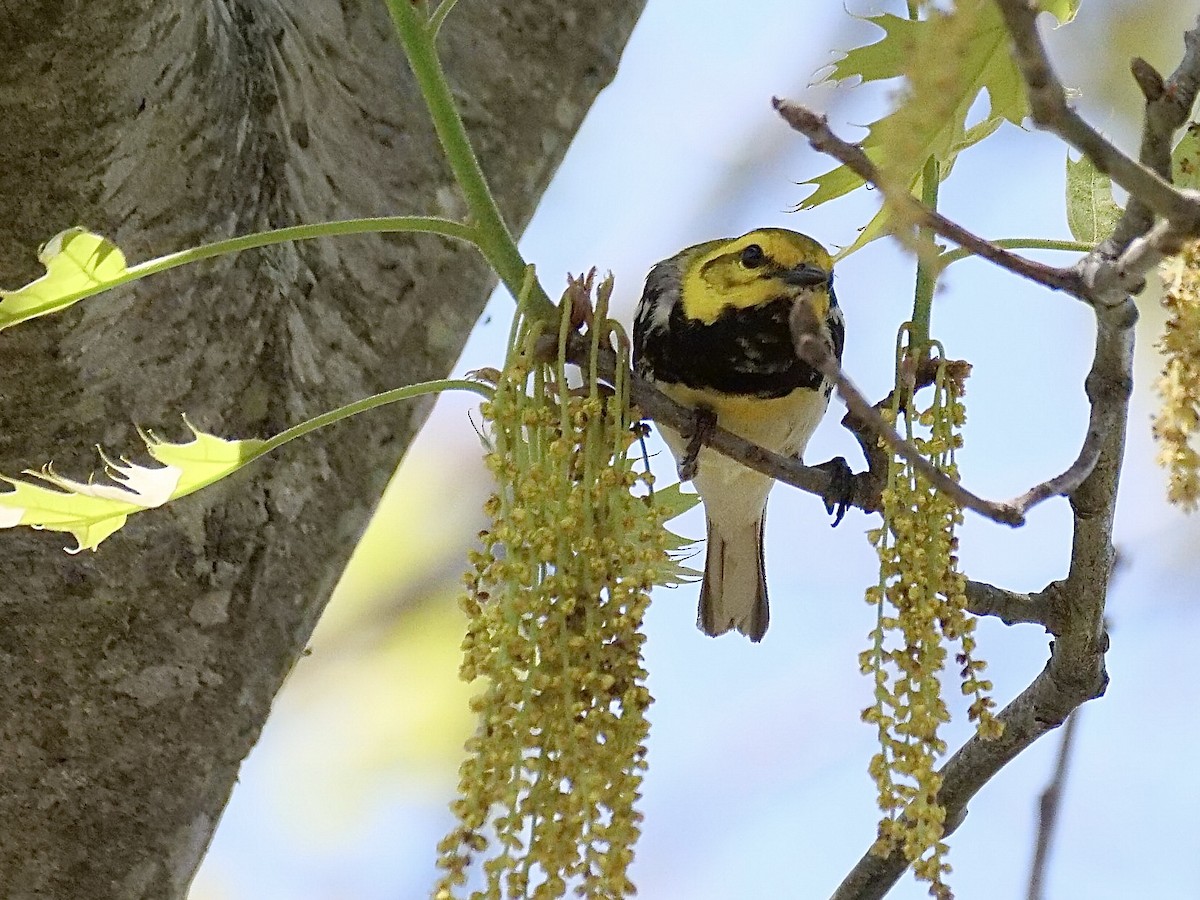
column 137, row 678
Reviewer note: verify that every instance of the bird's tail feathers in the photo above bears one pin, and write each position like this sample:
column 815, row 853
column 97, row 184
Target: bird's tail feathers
column 734, row 591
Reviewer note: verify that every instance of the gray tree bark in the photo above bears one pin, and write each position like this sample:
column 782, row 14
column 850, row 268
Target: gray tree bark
column 137, row 678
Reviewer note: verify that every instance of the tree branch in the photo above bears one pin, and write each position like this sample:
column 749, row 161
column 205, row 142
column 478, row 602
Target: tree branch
column 1073, row 609
column 1012, row 512
column 1013, row 608
column 656, row 405
column 863, row 419
column 813, row 351
column 816, row 128
column 1091, row 280
column 1048, row 807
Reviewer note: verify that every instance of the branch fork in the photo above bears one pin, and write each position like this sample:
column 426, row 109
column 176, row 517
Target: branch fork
column 1158, row 220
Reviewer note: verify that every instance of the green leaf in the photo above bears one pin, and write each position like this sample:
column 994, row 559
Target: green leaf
column 1063, row 10
column 93, row 510
column 78, row 264
column 884, row 59
column 674, row 500
column 1092, row 213
column 953, row 59
column 669, row 569
column 202, row 460
column 839, row 181
column 671, row 572
column 879, row 224
column 876, row 228
column 1185, row 158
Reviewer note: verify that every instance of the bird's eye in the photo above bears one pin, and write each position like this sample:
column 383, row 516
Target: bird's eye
column 753, row 257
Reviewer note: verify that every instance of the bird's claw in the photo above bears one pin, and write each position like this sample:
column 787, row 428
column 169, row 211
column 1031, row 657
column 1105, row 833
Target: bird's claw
column 839, row 496
column 704, row 423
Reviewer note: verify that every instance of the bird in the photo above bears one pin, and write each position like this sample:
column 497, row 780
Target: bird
column 712, row 332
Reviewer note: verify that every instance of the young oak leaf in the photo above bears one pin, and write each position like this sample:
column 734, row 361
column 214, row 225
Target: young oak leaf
column 1092, row 213
column 954, row 72
column 1185, row 158
column 882, row 221
column 670, row 570
column 78, row 265
column 93, row 510
column 674, row 500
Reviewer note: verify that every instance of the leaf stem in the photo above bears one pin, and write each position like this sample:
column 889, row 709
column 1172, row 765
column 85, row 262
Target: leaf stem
column 493, row 237
column 927, row 269
column 336, row 415
column 439, row 16
column 381, row 224
column 953, row 256
column 408, row 392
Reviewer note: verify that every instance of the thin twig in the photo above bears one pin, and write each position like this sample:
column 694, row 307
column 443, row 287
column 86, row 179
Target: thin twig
column 1013, row 608
column 656, row 405
column 813, row 351
column 1104, row 415
column 816, row 128
column 1166, row 112
column 1011, row 512
column 1048, row 807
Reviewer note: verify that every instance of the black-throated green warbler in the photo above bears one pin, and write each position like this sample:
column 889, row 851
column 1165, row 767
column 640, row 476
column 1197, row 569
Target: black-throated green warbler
column 712, row 331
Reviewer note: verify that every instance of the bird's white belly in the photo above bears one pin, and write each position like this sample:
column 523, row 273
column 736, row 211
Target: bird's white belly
column 735, row 494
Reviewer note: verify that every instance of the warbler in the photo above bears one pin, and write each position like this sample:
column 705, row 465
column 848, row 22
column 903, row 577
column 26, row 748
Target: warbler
column 712, row 332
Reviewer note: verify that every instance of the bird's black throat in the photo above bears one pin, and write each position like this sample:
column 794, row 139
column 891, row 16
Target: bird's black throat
column 746, row 352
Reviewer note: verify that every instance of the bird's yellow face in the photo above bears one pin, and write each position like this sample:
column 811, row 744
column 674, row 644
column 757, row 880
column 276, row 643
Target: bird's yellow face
column 752, row 270
column 716, row 317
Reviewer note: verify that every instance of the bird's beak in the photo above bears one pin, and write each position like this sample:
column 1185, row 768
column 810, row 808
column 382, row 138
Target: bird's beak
column 806, row 275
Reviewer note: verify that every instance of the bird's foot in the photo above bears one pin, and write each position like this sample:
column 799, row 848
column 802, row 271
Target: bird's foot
column 839, row 496
column 704, row 423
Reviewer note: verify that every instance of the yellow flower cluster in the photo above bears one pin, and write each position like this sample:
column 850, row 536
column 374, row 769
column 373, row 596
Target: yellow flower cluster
column 921, row 607
column 1178, row 418
column 555, row 601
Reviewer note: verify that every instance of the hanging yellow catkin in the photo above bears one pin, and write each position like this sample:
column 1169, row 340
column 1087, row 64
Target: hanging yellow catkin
column 921, row 608
column 1178, row 418
column 555, row 601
